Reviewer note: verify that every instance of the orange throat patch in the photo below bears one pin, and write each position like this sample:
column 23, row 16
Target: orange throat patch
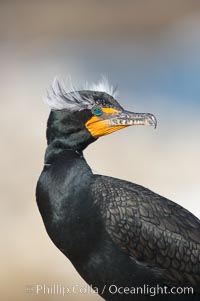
column 100, row 127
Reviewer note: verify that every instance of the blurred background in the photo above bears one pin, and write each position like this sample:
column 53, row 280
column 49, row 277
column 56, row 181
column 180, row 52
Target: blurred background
column 151, row 50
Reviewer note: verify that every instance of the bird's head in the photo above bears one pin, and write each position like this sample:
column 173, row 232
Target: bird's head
column 78, row 118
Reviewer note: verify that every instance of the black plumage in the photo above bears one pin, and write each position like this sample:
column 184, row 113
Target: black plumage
column 115, row 233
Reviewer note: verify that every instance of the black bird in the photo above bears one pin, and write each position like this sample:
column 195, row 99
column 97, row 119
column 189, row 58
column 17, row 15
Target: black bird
column 121, row 237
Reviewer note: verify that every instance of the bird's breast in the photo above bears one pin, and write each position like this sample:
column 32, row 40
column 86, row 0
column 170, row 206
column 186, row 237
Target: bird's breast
column 68, row 210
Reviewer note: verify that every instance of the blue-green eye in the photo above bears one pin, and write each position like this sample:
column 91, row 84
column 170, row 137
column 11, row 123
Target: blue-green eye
column 97, row 111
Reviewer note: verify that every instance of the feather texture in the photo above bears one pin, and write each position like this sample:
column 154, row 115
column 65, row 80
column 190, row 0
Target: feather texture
column 63, row 96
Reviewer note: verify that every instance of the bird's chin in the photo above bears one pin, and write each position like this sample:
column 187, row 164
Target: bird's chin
column 102, row 128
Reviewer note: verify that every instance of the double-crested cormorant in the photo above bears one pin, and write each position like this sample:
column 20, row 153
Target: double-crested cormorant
column 119, row 236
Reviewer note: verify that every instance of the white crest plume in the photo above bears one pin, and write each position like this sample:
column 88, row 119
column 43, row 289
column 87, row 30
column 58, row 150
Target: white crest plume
column 63, row 96
column 102, row 86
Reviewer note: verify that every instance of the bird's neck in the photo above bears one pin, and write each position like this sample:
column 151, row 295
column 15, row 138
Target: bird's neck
column 66, row 132
column 63, row 195
column 59, row 146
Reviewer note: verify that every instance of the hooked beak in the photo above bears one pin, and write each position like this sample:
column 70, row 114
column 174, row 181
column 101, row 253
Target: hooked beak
column 126, row 118
column 112, row 120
